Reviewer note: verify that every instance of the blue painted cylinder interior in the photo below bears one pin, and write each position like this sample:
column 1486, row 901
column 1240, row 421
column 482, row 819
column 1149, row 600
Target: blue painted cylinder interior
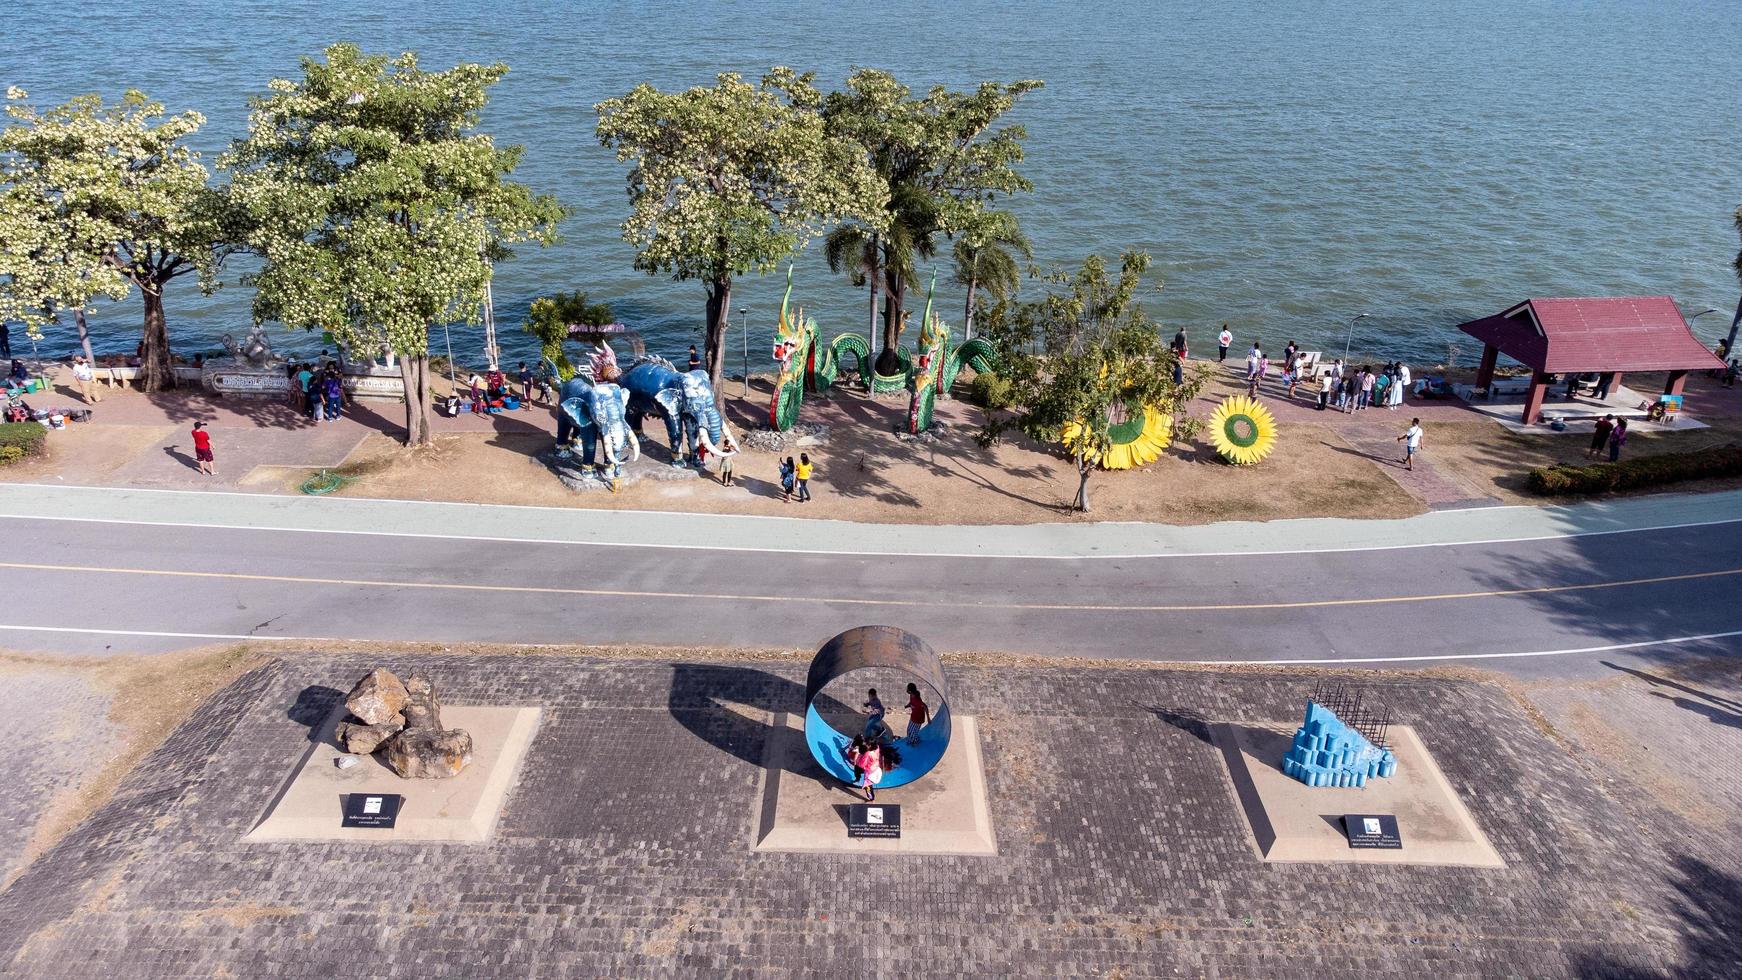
column 885, row 647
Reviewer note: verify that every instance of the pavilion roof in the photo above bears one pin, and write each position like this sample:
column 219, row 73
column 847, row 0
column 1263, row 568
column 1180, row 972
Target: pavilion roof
column 1615, row 333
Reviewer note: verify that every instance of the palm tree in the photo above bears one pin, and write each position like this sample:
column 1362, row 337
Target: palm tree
column 857, row 250
column 986, row 257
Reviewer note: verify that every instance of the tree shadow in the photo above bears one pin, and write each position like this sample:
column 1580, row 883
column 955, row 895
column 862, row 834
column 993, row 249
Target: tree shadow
column 1716, row 708
column 1190, row 722
column 1707, row 904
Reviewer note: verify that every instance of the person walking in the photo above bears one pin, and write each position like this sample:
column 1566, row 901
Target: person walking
column 1223, row 341
column 86, row 380
column 803, row 474
column 1411, row 440
column 1603, row 382
column 203, row 448
column 788, row 476
column 918, row 714
column 1600, row 436
column 1617, row 439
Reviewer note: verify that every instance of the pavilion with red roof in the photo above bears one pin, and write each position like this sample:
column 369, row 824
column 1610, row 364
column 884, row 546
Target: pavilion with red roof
column 1607, row 336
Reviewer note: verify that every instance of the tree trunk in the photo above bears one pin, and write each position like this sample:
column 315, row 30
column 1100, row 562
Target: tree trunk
column 968, row 313
column 895, row 293
column 414, row 371
column 719, row 318
column 156, row 367
column 1730, row 341
column 84, row 335
column 871, row 322
column 1084, row 467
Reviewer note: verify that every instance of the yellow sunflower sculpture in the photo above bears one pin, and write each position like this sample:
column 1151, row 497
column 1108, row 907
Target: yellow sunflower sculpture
column 1137, row 436
column 1243, row 430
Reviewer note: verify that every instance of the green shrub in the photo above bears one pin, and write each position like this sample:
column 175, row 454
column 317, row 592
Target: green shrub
column 20, row 439
column 1632, row 474
column 989, row 391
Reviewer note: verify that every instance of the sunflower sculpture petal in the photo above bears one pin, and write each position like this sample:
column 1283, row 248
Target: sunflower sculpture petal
column 1243, row 430
column 1137, row 439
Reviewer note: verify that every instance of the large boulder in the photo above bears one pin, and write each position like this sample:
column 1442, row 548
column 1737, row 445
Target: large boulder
column 427, row 753
column 378, row 698
column 423, row 710
column 359, row 739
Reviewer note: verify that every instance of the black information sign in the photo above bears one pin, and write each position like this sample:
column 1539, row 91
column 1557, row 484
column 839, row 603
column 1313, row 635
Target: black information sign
column 378, row 810
column 873, row 820
column 1372, row 830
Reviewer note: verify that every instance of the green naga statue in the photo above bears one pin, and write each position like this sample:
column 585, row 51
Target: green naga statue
column 934, row 374
column 806, row 365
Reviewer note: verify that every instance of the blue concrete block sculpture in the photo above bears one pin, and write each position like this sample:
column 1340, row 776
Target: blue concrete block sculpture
column 1327, row 752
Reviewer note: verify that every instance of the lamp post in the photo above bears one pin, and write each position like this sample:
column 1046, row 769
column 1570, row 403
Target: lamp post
column 744, row 329
column 1714, row 309
column 1348, row 341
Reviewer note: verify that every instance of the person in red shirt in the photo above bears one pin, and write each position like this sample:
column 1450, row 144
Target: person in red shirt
column 203, row 448
column 917, row 714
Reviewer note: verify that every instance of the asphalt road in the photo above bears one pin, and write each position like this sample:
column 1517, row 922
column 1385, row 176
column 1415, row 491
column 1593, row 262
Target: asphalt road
column 1555, row 605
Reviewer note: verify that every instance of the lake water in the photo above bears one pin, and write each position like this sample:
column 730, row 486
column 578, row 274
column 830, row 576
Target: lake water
column 1287, row 164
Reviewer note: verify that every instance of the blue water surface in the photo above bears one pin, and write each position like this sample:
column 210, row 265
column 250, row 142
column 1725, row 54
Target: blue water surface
column 1287, row 164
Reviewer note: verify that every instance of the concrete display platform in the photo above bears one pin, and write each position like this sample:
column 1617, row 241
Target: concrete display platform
column 803, row 808
column 463, row 808
column 1291, row 821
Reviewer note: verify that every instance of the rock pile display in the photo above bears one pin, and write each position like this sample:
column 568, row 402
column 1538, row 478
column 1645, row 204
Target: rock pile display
column 401, row 722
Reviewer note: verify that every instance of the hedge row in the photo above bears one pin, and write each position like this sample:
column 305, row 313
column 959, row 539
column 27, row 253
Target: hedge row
column 20, row 439
column 1641, row 471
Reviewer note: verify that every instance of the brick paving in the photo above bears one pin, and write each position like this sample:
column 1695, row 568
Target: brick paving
column 625, row 848
column 59, row 722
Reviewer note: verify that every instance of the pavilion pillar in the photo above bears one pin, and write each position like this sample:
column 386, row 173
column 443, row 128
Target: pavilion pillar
column 1674, row 385
column 1539, row 382
column 1485, row 373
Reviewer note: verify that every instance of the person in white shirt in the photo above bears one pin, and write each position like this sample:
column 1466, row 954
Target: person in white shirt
column 86, row 379
column 1223, row 340
column 1411, row 440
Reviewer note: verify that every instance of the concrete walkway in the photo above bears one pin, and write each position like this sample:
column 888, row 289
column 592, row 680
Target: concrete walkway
column 720, row 532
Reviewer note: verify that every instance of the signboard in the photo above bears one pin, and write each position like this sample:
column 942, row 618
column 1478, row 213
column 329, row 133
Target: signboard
column 1372, row 830
column 373, row 810
column 1672, row 404
column 873, row 820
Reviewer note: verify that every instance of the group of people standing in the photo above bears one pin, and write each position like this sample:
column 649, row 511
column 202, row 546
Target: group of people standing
column 795, row 478
column 872, row 752
column 318, row 391
column 1349, row 390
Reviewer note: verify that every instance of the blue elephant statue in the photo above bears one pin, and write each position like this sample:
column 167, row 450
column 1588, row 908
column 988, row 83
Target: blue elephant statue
column 685, row 402
column 594, row 414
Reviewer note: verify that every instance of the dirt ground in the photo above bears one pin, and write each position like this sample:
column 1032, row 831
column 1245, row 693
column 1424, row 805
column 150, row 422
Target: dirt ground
column 865, row 473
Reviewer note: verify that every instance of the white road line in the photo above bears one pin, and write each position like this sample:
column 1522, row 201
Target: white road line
column 849, row 553
column 1670, row 641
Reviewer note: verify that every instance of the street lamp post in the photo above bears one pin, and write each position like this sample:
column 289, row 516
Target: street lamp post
column 1727, row 343
column 744, row 329
column 1350, row 340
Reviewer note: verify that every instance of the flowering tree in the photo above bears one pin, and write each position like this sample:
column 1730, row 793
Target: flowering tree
column 1077, row 356
column 732, row 179
column 96, row 200
column 377, row 207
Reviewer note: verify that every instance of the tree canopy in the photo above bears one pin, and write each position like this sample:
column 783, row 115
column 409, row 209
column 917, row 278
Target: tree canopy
column 730, row 179
column 988, row 255
column 97, row 199
column 549, row 320
column 1078, row 355
column 376, row 205
column 942, row 160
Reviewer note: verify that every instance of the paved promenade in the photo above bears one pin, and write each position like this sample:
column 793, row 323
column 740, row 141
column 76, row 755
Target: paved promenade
column 625, row 846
